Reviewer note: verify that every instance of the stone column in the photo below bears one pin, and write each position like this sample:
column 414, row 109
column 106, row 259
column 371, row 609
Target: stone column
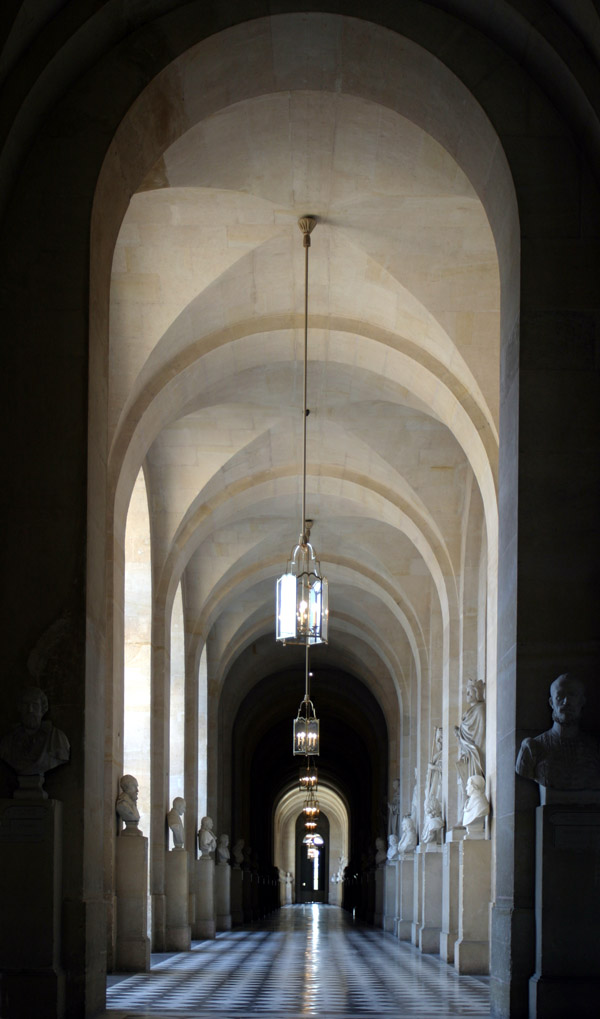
column 133, row 943
column 406, row 883
column 431, row 897
column 237, row 912
column 450, row 886
column 390, row 895
column 178, row 932
column 204, row 925
column 223, row 896
column 566, row 980
column 30, row 894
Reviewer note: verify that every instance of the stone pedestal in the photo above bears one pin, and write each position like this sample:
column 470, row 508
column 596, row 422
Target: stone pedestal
column 417, row 896
column 431, row 897
column 472, row 950
column 178, row 932
column 30, row 897
column 133, row 943
column 237, row 911
column 450, row 883
column 247, row 895
column 204, row 924
column 223, row 896
column 567, row 976
column 390, row 896
column 379, row 895
column 406, row 883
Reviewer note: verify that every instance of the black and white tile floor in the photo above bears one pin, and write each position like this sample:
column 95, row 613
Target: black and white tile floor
column 303, row 961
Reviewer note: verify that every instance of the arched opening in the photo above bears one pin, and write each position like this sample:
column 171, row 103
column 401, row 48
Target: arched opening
column 312, row 862
column 413, row 285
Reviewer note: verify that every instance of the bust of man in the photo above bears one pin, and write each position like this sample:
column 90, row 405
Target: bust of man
column 223, row 849
column 33, row 746
column 392, row 851
column 434, row 822
column 126, row 805
column 175, row 821
column 477, row 806
column 238, row 852
column 381, row 851
column 206, row 838
column 563, row 757
column 409, row 837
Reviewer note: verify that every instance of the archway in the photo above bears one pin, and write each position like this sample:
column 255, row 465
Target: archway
column 410, row 381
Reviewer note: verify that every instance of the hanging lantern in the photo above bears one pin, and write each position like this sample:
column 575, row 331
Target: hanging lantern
column 306, row 731
column 302, row 609
column 308, row 777
column 311, row 807
column 301, row 603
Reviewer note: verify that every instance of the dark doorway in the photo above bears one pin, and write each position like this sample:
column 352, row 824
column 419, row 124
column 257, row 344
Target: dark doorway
column 312, row 874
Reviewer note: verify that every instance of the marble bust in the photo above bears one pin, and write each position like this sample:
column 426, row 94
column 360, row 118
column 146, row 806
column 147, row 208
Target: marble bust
column 434, row 822
column 206, row 838
column 126, row 805
column 223, row 849
column 238, row 852
column 34, row 746
column 409, row 837
column 392, row 851
column 175, row 821
column 477, row 806
column 563, row 757
column 381, row 851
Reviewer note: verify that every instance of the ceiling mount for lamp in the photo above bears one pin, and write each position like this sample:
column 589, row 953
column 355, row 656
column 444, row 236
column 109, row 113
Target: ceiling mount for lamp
column 302, row 609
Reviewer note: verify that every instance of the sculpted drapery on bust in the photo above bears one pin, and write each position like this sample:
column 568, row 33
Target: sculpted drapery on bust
column 563, row 757
column 471, row 739
column 33, row 746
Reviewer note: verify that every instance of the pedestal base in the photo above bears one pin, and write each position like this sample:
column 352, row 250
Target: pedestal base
column 450, row 883
column 237, row 913
column 30, row 897
column 133, row 943
column 390, row 896
column 431, row 903
column 204, row 924
column 566, row 910
column 223, row 897
column 472, row 950
column 178, row 934
column 557, row 998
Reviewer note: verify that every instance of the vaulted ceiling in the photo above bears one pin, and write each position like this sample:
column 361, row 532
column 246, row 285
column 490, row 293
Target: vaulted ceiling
column 206, row 342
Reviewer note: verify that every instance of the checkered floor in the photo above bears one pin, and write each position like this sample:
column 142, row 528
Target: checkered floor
column 302, row 961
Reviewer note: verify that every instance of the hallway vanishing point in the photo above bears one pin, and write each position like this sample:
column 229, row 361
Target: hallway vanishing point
column 303, row 960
